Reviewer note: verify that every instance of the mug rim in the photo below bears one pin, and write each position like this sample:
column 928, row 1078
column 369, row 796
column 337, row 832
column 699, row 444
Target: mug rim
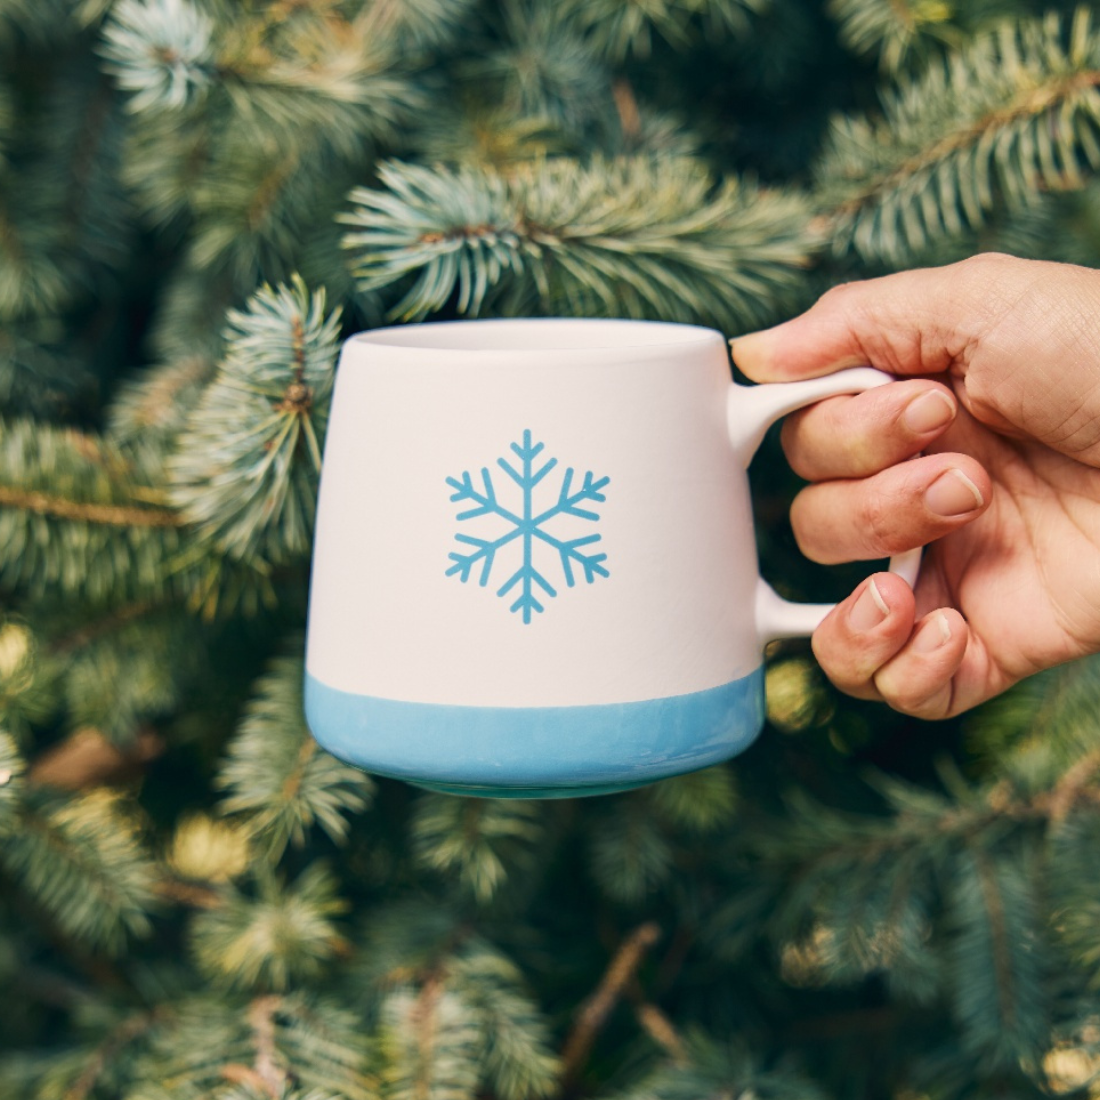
column 572, row 334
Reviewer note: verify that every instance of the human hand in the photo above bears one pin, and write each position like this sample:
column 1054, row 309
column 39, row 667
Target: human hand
column 1000, row 361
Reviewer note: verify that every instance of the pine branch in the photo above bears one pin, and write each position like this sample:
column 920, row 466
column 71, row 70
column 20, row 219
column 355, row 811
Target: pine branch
column 1014, row 114
column 452, row 1011
column 633, row 237
column 202, row 1044
column 630, row 852
column 27, row 691
column 621, row 28
column 281, row 935
column 1000, row 994
column 416, row 25
column 57, row 237
column 156, row 402
column 545, row 70
column 245, row 469
column 115, row 515
column 131, row 1028
column 430, row 1044
column 698, row 802
column 81, row 861
column 480, row 841
column 721, row 1069
column 517, row 1062
column 11, row 782
column 79, row 518
column 901, row 32
column 161, row 50
column 277, row 775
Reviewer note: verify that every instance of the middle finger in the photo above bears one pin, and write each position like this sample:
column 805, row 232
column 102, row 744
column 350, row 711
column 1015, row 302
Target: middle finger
column 860, row 435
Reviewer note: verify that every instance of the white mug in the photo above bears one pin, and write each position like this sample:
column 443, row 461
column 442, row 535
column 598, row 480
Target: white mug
column 534, row 571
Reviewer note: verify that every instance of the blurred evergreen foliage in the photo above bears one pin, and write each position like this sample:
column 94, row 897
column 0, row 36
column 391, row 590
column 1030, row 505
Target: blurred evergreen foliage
column 198, row 200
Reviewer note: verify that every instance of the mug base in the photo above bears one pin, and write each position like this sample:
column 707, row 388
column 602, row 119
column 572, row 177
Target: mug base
column 530, row 792
column 537, row 752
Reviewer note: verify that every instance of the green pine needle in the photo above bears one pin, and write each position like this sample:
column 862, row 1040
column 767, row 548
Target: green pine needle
column 481, row 842
column 631, row 237
column 278, row 776
column 246, row 467
column 272, row 938
column 1014, row 114
column 11, row 772
column 82, row 861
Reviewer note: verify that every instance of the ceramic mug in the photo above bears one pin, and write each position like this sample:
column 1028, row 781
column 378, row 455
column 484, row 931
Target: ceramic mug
column 534, row 571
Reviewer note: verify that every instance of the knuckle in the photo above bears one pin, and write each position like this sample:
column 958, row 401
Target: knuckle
column 845, row 674
column 918, row 704
column 880, row 525
column 837, row 295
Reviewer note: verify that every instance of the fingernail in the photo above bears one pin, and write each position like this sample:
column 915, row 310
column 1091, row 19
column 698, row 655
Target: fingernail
column 932, row 409
column 934, row 633
column 752, row 350
column 869, row 610
column 952, row 494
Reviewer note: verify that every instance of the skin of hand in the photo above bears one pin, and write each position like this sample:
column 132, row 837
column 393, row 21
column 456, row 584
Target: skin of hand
column 987, row 451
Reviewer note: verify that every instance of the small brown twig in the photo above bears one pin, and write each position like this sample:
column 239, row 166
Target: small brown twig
column 118, row 515
column 1070, row 788
column 86, row 758
column 594, row 1012
column 188, row 893
column 124, row 1034
column 627, row 107
column 659, row 1028
column 265, row 1075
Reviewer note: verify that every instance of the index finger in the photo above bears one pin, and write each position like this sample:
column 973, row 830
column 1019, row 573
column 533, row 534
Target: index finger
column 913, row 322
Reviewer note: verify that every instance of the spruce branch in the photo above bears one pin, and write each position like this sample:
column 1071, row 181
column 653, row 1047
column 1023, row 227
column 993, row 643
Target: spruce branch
column 631, row 852
column 59, row 237
column 161, row 51
column 11, row 781
column 698, row 802
column 545, row 70
column 130, row 1029
column 453, row 1012
column 278, row 777
column 114, row 515
column 245, row 469
column 1013, row 114
column 156, row 402
column 81, row 861
column 999, row 988
column 481, row 841
column 416, row 25
column 636, row 237
column 430, row 1044
column 202, row 1046
column 80, row 517
column 27, row 691
column 896, row 30
column 270, row 939
column 721, row 1069
column 621, row 28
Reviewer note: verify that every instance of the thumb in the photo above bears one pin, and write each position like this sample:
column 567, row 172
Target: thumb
column 914, row 322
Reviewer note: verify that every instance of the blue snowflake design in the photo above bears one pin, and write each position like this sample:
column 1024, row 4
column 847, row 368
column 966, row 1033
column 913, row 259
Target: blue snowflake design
column 529, row 526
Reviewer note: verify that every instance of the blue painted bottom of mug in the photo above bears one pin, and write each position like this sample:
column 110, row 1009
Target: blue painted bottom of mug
column 537, row 752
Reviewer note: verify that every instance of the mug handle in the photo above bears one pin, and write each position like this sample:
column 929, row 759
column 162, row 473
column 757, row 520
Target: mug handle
column 751, row 411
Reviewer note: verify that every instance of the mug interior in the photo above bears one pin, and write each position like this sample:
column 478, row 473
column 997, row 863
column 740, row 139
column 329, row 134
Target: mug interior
column 543, row 334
